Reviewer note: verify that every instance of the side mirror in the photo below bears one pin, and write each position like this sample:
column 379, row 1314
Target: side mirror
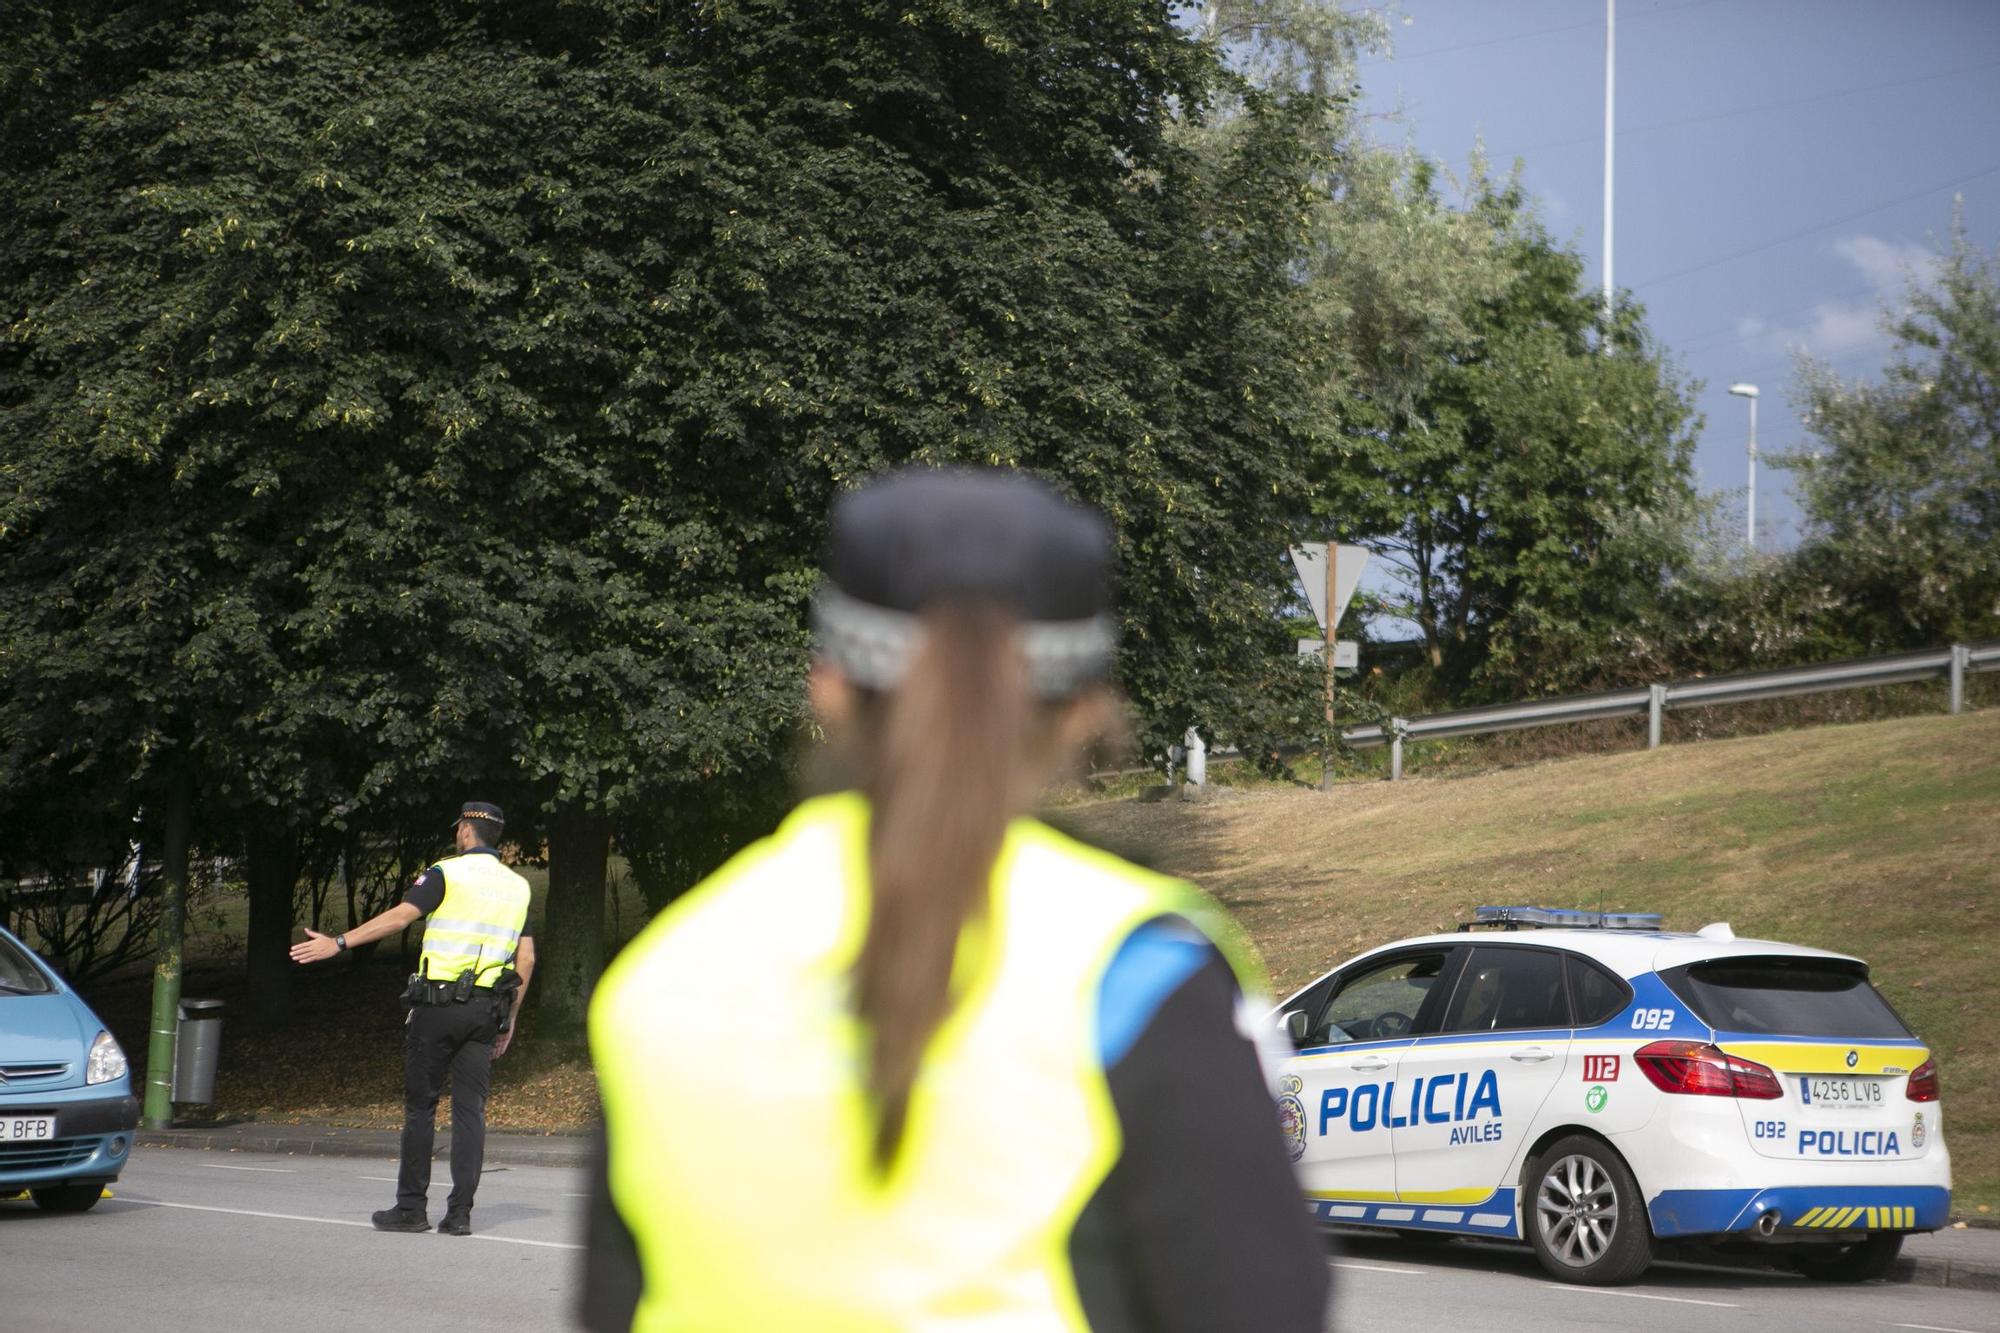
column 1297, row 1025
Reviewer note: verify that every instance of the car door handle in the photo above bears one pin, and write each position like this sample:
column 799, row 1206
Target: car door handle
column 1370, row 1065
column 1533, row 1055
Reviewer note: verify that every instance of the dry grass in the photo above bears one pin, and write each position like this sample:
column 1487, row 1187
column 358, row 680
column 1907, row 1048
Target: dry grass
column 1881, row 839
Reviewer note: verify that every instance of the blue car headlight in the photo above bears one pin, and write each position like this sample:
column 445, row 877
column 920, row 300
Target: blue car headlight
column 107, row 1060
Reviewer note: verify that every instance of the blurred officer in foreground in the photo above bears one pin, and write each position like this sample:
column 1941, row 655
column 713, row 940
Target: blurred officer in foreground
column 917, row 1061
column 463, row 1002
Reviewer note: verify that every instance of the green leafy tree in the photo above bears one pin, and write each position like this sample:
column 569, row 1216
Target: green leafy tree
column 1534, row 492
column 403, row 399
column 1901, row 489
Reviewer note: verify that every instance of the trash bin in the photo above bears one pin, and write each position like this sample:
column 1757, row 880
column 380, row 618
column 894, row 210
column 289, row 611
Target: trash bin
column 196, row 1051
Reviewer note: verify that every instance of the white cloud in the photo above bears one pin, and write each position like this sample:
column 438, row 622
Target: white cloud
column 1848, row 325
column 1888, row 265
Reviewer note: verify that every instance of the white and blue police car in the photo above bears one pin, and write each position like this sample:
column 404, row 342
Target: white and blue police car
column 1597, row 1086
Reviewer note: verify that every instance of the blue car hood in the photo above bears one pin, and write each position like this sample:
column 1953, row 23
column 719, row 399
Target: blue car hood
column 46, row 1029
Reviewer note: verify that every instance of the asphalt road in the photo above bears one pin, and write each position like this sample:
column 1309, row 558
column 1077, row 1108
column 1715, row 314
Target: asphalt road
column 1423, row 1284
column 210, row 1240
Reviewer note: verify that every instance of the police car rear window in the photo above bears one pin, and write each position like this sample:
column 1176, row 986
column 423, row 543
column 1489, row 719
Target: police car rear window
column 1783, row 996
column 1596, row 994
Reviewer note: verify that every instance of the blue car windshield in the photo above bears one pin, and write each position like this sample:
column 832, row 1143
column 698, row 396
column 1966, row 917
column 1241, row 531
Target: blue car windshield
column 18, row 973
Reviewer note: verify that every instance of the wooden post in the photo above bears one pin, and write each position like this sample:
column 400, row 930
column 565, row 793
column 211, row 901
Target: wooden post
column 1332, row 583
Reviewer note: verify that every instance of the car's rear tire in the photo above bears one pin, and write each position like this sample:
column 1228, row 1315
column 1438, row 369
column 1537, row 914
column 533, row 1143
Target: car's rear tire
column 1858, row 1261
column 1584, row 1215
column 67, row 1198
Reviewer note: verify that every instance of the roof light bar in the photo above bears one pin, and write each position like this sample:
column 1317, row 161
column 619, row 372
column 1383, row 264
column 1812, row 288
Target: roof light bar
column 1515, row 918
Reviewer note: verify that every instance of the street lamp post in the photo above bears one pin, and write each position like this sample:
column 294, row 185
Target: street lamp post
column 1750, row 505
column 1610, row 137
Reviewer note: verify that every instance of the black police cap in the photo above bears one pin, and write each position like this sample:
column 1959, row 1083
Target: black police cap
column 924, row 535
column 482, row 814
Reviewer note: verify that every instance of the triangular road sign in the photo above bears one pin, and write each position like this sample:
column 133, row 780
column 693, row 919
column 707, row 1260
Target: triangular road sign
column 1309, row 563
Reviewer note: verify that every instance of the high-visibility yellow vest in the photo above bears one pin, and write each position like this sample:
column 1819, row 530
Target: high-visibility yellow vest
column 478, row 926
column 732, row 1074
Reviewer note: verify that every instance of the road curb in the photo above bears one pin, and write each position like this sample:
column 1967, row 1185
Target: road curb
column 1916, row 1270
column 501, row 1149
column 1909, row 1270
column 1959, row 1273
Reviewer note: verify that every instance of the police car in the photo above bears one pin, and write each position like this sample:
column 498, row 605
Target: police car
column 1595, row 1085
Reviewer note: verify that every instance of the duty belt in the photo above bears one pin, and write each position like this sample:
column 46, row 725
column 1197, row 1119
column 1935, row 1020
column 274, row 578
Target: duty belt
column 423, row 990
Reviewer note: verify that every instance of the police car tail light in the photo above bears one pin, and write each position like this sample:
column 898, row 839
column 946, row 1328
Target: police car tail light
column 1699, row 1070
column 1923, row 1085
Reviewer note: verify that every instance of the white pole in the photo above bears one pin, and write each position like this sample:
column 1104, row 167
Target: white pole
column 1751, row 506
column 1610, row 80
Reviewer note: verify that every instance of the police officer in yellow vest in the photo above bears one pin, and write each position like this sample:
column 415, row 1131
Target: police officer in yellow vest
column 918, row 1061
column 464, row 1000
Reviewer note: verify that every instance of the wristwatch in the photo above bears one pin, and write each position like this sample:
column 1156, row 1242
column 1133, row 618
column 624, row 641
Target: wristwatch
column 340, row 943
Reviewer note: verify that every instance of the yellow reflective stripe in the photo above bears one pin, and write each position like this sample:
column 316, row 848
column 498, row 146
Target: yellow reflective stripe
column 1354, row 1196
column 1806, row 1057
column 491, row 929
column 1848, row 1217
column 1807, row 1219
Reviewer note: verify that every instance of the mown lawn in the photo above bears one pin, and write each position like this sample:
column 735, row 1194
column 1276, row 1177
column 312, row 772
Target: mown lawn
column 1881, row 840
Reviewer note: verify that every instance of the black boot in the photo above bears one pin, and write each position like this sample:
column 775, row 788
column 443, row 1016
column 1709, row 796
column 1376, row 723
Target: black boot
column 457, row 1222
column 402, row 1219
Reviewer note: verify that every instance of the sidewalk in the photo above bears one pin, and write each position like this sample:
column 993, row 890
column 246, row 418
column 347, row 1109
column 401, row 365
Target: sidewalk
column 1968, row 1258
column 309, row 1140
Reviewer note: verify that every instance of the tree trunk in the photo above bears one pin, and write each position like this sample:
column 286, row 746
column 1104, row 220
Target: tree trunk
column 273, row 874
column 350, row 858
column 569, row 959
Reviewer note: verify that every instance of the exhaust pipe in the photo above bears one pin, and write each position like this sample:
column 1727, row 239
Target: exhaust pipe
column 1768, row 1223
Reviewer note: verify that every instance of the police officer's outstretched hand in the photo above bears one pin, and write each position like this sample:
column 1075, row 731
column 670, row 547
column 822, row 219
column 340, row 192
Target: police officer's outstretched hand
column 315, row 948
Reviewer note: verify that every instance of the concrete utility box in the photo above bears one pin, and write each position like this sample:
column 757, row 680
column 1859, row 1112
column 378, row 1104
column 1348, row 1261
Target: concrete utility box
column 197, row 1048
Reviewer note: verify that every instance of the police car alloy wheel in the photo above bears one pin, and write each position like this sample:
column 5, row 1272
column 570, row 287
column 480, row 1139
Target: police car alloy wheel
column 1588, row 1223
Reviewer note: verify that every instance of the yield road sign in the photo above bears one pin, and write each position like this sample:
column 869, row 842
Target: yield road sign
column 1309, row 563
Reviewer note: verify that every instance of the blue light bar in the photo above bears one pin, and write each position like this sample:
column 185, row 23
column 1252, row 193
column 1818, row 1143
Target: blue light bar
column 1569, row 917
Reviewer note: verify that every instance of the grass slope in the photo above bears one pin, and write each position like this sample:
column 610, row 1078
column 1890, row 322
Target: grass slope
column 1881, row 840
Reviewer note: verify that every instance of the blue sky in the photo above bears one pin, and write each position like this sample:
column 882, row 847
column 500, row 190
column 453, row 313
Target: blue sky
column 1779, row 162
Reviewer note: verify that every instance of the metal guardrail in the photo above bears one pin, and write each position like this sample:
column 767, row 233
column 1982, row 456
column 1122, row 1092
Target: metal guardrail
column 1951, row 664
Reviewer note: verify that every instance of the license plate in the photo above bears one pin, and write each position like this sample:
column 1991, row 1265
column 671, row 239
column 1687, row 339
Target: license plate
column 26, row 1128
column 1833, row 1092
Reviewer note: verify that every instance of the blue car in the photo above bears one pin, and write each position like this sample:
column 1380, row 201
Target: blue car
column 66, row 1106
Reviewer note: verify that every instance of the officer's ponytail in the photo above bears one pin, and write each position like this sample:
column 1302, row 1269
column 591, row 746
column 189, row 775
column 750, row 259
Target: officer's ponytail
column 950, row 756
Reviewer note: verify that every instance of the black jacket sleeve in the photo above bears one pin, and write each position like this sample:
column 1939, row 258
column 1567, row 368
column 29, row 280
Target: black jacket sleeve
column 427, row 893
column 612, row 1280
column 1200, row 1225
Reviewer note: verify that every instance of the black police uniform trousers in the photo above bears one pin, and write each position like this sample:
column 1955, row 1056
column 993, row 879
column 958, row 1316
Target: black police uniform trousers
column 454, row 1038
